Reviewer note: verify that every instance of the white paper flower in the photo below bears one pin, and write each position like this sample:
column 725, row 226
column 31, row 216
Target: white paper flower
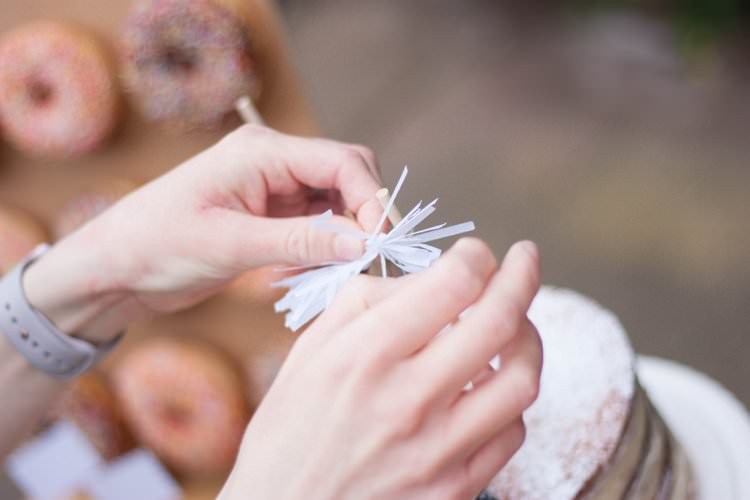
column 311, row 292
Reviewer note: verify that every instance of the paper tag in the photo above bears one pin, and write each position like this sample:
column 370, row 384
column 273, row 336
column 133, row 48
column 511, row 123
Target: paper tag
column 54, row 465
column 136, row 475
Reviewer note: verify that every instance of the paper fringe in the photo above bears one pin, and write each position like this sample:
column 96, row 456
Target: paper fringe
column 311, row 292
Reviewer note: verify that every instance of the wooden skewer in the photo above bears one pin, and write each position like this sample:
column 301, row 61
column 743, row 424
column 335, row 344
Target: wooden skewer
column 247, row 111
column 384, row 196
column 394, row 217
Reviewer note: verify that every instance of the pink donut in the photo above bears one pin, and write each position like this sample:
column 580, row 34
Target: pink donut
column 187, row 61
column 185, row 401
column 58, row 94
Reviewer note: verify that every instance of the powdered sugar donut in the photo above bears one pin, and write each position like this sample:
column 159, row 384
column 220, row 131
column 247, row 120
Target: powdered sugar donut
column 187, row 61
column 19, row 234
column 185, row 401
column 58, row 95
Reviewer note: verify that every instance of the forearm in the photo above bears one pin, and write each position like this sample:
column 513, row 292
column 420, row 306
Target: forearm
column 25, row 393
column 61, row 285
column 71, row 286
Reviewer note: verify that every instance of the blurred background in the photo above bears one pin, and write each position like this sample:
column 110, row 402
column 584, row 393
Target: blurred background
column 615, row 134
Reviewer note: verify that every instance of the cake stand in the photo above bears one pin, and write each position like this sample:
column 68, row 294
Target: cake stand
column 712, row 426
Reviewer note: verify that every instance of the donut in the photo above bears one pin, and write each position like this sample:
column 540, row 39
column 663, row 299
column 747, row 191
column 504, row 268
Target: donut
column 91, row 406
column 88, row 204
column 187, row 61
column 58, row 93
column 19, row 234
column 185, row 401
column 255, row 285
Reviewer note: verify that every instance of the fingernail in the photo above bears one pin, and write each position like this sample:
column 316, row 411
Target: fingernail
column 347, row 248
column 529, row 247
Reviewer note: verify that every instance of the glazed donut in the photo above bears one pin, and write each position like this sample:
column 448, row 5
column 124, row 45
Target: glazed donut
column 90, row 405
column 19, row 234
column 185, row 401
column 58, row 94
column 187, row 61
column 88, row 204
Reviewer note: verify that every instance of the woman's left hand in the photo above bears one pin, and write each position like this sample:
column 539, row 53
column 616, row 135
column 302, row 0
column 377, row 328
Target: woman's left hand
column 243, row 203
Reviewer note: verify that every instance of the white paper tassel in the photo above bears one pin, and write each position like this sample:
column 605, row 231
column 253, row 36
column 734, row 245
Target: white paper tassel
column 311, row 292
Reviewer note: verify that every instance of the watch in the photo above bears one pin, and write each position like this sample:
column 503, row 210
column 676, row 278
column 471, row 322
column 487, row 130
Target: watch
column 36, row 337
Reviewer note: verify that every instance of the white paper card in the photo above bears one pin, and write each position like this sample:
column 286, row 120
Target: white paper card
column 137, row 474
column 54, row 465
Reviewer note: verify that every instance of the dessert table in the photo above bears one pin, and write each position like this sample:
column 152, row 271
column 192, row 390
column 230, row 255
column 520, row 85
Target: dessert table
column 141, row 151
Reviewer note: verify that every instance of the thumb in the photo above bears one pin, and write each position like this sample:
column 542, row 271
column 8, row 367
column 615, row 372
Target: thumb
column 294, row 240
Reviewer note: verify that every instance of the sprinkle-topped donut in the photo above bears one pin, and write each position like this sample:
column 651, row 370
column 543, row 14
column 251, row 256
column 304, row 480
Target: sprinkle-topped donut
column 89, row 403
column 187, row 61
column 58, row 95
column 185, row 401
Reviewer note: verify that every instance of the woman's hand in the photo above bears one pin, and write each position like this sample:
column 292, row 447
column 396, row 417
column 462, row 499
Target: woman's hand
column 243, row 203
column 371, row 404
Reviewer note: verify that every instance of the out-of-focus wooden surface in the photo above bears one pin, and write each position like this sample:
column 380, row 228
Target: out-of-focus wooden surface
column 141, row 151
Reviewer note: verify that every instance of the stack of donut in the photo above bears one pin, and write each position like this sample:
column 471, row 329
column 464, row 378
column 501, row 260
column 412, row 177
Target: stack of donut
column 185, row 61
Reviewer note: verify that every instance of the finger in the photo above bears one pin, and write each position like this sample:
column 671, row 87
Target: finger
column 359, row 295
column 481, row 377
column 371, row 160
column 328, row 165
column 493, row 455
column 501, row 399
column 453, row 359
column 258, row 241
column 367, row 155
column 415, row 313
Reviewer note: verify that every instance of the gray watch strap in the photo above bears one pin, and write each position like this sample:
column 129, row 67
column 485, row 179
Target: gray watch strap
column 35, row 337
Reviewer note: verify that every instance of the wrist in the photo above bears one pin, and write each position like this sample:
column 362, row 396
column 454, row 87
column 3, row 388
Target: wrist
column 66, row 285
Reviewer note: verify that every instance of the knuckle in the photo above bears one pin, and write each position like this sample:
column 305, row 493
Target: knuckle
column 518, row 436
column 461, row 280
column 298, row 243
column 243, row 134
column 526, row 386
column 421, row 471
column 359, row 286
column 505, row 318
column 365, row 152
column 353, row 156
column 537, row 348
column 477, row 250
column 459, row 485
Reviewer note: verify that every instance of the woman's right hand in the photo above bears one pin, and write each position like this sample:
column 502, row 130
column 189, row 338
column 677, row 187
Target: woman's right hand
column 371, row 404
